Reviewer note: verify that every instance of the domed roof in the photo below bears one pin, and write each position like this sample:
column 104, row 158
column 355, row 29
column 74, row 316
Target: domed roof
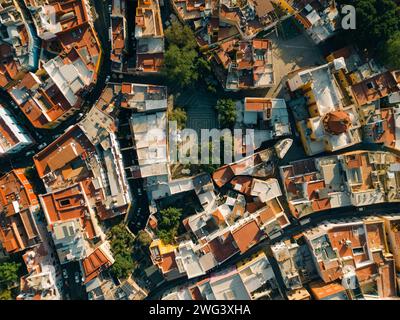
column 337, row 122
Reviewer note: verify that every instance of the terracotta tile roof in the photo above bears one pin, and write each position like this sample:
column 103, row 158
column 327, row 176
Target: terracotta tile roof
column 375, row 88
column 257, row 104
column 337, row 122
column 71, row 145
column 18, row 229
column 222, row 248
column 168, row 262
column 247, row 236
column 322, row 290
column 66, row 204
column 222, row 175
column 242, row 184
column 219, row 218
column 150, row 62
column 94, row 264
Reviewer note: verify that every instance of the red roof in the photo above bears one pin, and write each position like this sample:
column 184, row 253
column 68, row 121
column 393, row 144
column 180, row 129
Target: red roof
column 247, row 236
column 94, row 264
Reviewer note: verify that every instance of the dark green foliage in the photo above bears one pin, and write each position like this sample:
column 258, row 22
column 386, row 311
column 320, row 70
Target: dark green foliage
column 8, row 273
column 392, row 51
column 377, row 22
column 168, row 224
column 143, row 238
column 122, row 244
column 227, row 113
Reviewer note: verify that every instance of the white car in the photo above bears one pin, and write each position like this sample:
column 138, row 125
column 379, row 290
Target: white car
column 77, row 280
column 305, row 221
column 43, row 145
column 65, row 274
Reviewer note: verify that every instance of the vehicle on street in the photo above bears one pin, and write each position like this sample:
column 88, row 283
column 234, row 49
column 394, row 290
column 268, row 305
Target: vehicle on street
column 29, row 153
column 77, row 280
column 305, row 221
column 42, row 146
column 65, row 274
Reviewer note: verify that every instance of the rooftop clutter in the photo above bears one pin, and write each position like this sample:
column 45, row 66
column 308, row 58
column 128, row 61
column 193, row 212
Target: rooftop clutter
column 50, row 92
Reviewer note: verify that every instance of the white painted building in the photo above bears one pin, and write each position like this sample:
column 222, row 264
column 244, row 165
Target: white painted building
column 12, row 137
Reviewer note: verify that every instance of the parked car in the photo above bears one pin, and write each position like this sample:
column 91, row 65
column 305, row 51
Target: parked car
column 77, row 280
column 42, row 146
column 29, row 153
column 305, row 221
column 110, row 8
column 65, row 274
column 108, row 78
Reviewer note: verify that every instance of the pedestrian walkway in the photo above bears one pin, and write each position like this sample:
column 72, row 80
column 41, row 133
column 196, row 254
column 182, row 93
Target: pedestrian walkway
column 199, row 105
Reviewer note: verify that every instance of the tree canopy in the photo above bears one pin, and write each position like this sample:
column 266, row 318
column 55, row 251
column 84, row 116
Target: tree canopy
column 226, row 109
column 179, row 66
column 5, row 294
column 392, row 53
column 180, row 35
column 123, row 266
column 8, row 273
column 377, row 21
column 178, row 115
column 143, row 238
column 122, row 244
column 168, row 224
column 180, row 59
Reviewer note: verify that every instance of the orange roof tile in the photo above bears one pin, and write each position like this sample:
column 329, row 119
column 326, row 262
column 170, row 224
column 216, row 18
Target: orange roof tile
column 222, row 247
column 247, row 236
column 67, row 204
column 94, row 264
column 375, row 88
column 322, row 290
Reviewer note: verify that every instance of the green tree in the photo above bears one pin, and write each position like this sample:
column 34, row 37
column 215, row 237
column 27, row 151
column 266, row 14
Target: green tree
column 167, row 236
column 179, row 115
column 8, row 273
column 392, row 54
column 179, row 66
column 226, row 109
column 123, row 266
column 143, row 238
column 376, row 21
column 180, row 35
column 122, row 244
column 5, row 294
column 168, row 224
column 180, row 59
